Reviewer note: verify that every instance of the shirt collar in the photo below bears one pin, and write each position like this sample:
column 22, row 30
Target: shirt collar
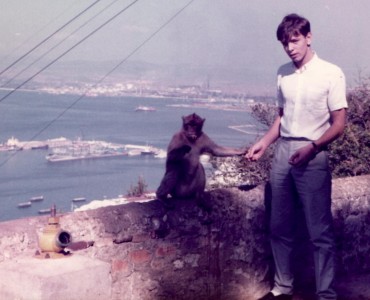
column 306, row 65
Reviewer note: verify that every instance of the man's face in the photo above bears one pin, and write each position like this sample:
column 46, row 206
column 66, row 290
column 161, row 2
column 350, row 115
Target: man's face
column 297, row 48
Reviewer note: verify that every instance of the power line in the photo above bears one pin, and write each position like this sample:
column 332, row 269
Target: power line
column 68, row 50
column 38, row 31
column 48, row 37
column 106, row 75
column 60, row 42
column 142, row 44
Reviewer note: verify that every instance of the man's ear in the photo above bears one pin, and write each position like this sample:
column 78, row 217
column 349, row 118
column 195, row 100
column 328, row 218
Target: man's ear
column 309, row 38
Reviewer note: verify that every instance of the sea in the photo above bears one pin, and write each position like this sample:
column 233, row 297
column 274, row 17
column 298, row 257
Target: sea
column 28, row 115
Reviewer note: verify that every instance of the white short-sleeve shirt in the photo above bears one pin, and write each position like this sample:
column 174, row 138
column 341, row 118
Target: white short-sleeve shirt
column 308, row 95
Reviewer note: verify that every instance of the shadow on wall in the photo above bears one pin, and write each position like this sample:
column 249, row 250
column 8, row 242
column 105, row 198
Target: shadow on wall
column 186, row 253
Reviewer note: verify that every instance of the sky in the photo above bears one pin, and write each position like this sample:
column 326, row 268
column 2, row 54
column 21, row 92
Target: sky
column 232, row 34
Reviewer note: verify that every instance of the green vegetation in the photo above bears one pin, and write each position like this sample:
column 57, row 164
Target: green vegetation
column 139, row 189
column 348, row 156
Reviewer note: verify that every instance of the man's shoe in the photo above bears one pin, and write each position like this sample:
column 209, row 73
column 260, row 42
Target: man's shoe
column 270, row 296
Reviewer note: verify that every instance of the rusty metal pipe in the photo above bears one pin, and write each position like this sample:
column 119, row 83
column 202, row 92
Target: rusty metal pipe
column 53, row 239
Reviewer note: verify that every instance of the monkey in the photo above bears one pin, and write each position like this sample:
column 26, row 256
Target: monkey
column 184, row 174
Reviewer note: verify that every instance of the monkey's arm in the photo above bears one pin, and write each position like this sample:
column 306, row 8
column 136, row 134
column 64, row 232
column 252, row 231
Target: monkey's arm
column 177, row 148
column 178, row 153
column 211, row 147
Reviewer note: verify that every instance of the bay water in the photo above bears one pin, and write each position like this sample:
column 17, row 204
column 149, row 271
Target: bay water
column 27, row 173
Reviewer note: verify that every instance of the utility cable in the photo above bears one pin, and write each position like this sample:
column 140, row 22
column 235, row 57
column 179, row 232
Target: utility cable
column 68, row 50
column 105, row 76
column 16, row 48
column 60, row 42
column 143, row 43
column 48, row 37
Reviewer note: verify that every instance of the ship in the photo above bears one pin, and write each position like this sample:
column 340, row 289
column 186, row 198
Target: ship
column 145, row 108
column 44, row 211
column 24, row 204
column 148, row 150
column 37, row 198
column 79, row 199
column 79, row 150
column 141, row 150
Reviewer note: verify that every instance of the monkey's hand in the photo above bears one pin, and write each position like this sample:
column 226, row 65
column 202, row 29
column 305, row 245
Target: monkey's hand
column 185, row 149
column 244, row 150
column 178, row 153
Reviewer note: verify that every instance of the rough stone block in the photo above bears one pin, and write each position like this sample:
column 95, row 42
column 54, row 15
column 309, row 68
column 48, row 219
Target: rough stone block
column 74, row 278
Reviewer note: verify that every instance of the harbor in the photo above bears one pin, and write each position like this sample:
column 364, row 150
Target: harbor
column 27, row 173
column 63, row 149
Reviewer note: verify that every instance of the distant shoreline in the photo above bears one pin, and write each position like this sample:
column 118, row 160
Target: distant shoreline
column 225, row 104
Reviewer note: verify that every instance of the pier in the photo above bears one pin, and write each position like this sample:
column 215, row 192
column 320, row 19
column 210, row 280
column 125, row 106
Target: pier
column 63, row 149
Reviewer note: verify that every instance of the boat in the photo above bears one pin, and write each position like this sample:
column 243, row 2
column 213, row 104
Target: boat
column 44, row 211
column 148, row 150
column 145, row 108
column 40, row 147
column 37, row 198
column 24, row 204
column 79, row 199
column 134, row 152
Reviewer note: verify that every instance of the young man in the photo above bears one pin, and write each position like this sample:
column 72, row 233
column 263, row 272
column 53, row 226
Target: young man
column 312, row 111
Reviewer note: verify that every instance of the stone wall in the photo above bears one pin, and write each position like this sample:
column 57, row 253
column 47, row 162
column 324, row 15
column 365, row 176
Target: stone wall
column 185, row 253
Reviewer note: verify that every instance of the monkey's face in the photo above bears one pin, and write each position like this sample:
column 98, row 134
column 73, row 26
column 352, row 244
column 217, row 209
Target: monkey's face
column 192, row 126
column 192, row 131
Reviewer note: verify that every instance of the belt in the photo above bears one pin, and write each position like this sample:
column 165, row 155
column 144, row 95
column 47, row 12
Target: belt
column 299, row 139
column 285, row 138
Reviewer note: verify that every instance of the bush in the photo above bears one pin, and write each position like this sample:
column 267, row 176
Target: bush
column 236, row 171
column 139, row 189
column 348, row 156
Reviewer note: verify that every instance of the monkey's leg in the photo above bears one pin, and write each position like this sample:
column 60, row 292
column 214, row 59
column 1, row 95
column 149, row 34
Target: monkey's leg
column 167, row 187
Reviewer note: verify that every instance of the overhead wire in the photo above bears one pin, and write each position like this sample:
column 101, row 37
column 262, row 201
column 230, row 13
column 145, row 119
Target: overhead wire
column 141, row 45
column 22, row 44
column 48, row 37
column 68, row 50
column 59, row 43
column 107, row 74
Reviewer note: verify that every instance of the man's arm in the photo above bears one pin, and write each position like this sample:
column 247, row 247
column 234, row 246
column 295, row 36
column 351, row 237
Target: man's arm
column 338, row 121
column 259, row 148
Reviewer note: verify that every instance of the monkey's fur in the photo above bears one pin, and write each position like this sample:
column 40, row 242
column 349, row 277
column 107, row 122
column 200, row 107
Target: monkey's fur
column 185, row 176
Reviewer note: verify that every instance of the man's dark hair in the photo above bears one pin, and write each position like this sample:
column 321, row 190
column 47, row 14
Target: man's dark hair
column 292, row 25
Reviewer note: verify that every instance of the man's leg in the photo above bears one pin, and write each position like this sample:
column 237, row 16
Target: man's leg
column 313, row 184
column 282, row 218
